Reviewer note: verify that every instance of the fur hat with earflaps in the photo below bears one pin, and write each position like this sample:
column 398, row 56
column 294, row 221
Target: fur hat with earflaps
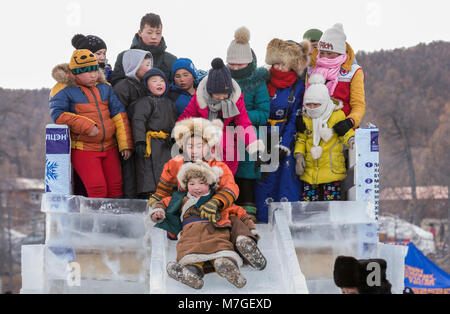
column 198, row 169
column 352, row 273
column 210, row 131
column 294, row 55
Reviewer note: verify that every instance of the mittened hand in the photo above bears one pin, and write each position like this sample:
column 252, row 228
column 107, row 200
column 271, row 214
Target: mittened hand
column 141, row 149
column 343, row 126
column 299, row 164
column 209, row 210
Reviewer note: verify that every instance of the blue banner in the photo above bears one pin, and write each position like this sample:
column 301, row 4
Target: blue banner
column 422, row 275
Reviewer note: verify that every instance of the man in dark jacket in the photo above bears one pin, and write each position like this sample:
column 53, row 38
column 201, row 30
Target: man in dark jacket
column 148, row 38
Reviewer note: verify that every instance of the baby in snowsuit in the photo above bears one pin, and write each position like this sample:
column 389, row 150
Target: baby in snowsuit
column 203, row 246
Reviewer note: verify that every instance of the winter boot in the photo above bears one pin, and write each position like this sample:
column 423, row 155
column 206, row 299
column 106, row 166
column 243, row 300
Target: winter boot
column 248, row 249
column 189, row 275
column 228, row 269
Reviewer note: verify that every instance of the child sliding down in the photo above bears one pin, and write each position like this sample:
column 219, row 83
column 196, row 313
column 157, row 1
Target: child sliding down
column 203, row 246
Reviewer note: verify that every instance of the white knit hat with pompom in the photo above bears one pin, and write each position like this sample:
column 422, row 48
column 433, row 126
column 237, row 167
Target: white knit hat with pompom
column 239, row 51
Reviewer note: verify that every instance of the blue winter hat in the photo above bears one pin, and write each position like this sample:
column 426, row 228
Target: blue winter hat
column 187, row 64
column 155, row 72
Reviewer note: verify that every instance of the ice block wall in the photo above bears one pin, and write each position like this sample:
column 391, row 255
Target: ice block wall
column 91, row 246
column 321, row 231
column 58, row 169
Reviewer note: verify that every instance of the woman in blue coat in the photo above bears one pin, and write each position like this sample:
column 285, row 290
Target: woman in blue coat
column 253, row 83
column 288, row 60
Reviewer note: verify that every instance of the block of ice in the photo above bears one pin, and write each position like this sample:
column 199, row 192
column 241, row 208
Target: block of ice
column 91, row 246
column 32, row 262
column 321, row 231
column 394, row 255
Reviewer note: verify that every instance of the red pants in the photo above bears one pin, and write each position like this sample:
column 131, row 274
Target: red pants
column 99, row 171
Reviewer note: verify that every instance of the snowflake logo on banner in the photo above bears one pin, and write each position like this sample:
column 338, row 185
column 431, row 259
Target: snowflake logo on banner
column 50, row 170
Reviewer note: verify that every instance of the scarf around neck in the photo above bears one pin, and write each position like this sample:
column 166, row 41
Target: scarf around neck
column 329, row 68
column 226, row 106
column 280, row 79
column 245, row 72
column 319, row 117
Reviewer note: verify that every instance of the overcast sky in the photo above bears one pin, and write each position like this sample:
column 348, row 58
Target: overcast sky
column 36, row 35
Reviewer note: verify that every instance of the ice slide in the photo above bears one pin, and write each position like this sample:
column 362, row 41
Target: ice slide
column 105, row 246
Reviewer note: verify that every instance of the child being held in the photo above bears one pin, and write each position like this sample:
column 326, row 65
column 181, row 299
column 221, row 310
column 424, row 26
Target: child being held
column 320, row 161
column 200, row 139
column 203, row 246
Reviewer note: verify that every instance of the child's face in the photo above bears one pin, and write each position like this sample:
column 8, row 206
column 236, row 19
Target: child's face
column 235, row 66
column 184, row 79
column 196, row 187
column 281, row 67
column 88, row 78
column 313, row 105
column 101, row 55
column 145, row 66
column 156, row 85
column 196, row 148
column 328, row 54
column 314, row 45
column 151, row 36
column 220, row 96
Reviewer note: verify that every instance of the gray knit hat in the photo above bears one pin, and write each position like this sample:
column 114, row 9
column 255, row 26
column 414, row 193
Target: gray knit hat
column 132, row 60
column 239, row 51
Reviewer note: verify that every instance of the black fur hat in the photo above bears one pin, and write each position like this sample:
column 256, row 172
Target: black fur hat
column 352, row 273
column 346, row 272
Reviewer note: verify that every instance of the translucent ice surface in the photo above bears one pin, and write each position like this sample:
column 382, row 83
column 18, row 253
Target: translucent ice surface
column 281, row 275
column 107, row 246
column 321, row 231
column 91, row 246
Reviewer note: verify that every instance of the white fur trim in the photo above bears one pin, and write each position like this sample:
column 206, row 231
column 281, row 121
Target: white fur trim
column 256, row 146
column 316, row 152
column 198, row 258
column 153, row 210
column 211, row 131
column 211, row 174
column 286, row 149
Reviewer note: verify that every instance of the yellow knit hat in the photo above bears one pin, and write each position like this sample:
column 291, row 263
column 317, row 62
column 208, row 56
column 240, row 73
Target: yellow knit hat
column 83, row 60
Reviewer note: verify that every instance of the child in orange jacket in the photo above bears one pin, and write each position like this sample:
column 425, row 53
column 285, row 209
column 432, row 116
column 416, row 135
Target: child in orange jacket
column 200, row 139
column 98, row 123
column 202, row 246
